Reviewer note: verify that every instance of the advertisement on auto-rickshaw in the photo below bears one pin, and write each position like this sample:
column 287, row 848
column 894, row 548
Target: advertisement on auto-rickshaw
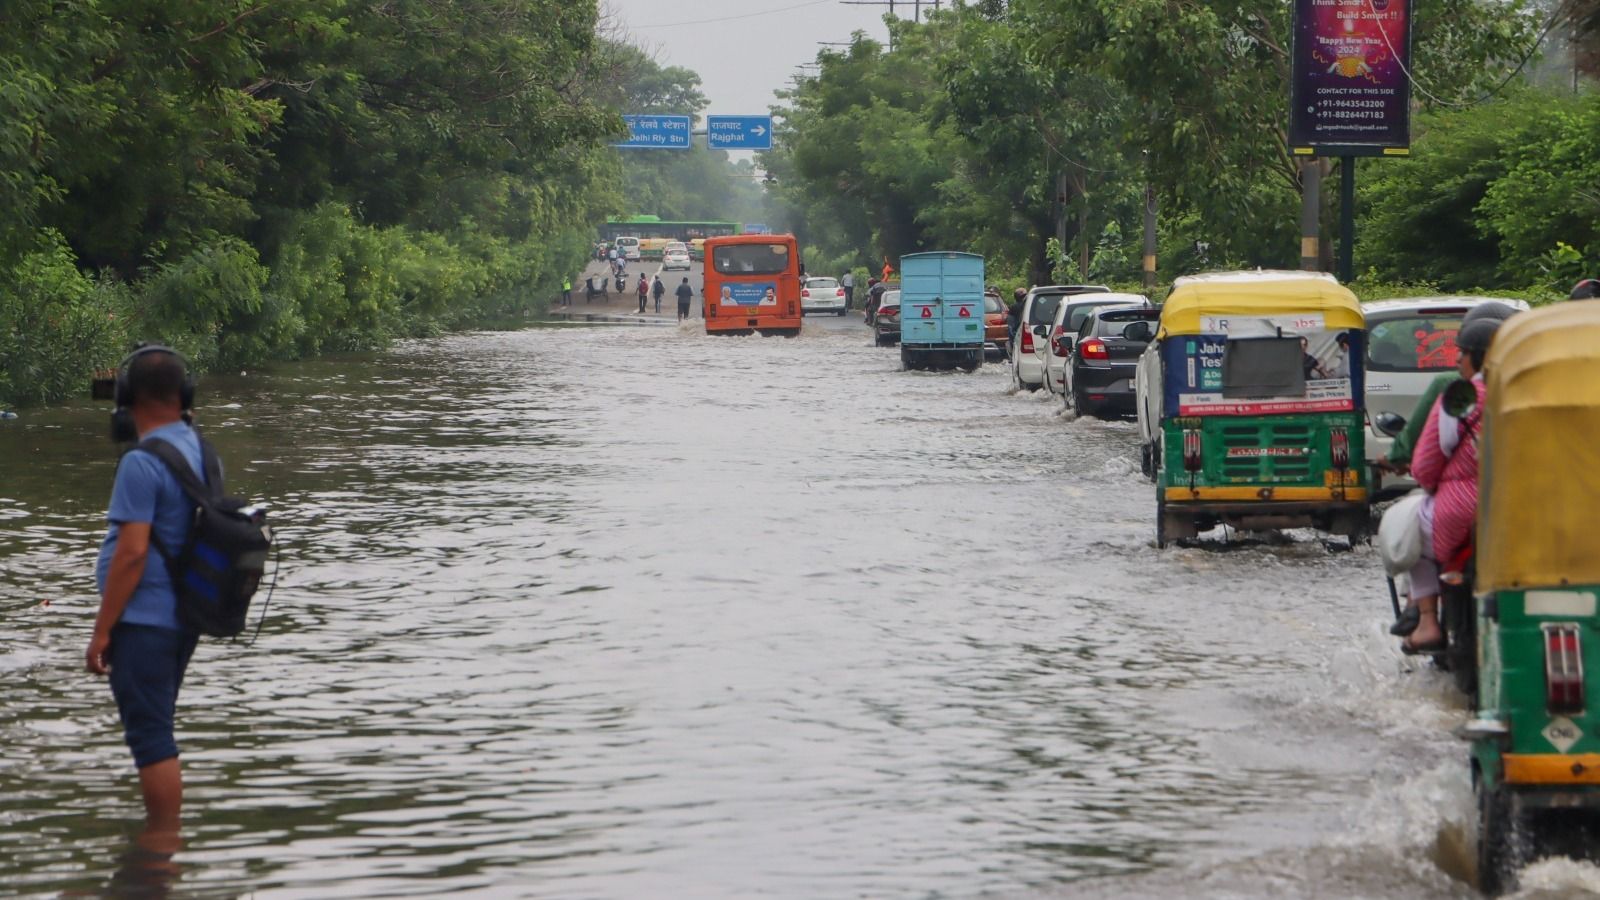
column 1248, row 366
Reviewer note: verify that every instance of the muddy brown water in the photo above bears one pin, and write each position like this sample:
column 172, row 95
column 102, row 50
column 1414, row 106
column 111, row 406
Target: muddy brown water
column 608, row 612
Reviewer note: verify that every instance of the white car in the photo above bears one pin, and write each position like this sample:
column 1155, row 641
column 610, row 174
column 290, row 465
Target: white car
column 676, row 256
column 1069, row 317
column 1410, row 342
column 628, row 248
column 1033, row 331
column 822, row 295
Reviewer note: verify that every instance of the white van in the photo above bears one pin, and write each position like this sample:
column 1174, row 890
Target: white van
column 628, row 248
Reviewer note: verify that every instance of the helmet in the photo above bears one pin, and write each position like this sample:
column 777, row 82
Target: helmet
column 1493, row 310
column 1477, row 335
column 1587, row 289
column 1019, row 293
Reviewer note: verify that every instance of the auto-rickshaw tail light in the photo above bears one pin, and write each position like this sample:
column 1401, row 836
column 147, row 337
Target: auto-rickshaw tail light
column 1563, row 667
column 1339, row 444
column 1192, row 461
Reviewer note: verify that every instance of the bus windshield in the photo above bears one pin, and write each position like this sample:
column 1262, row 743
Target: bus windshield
column 753, row 259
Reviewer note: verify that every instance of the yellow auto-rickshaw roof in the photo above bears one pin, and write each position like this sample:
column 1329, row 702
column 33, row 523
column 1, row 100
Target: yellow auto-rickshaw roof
column 1258, row 293
column 1539, row 457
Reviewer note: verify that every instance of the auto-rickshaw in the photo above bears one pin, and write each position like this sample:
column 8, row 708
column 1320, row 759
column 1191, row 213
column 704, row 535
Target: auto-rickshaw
column 1536, row 734
column 1251, row 405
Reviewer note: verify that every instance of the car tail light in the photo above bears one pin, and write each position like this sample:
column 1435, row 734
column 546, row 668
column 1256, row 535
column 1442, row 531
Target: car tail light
column 889, row 311
column 1094, row 348
column 1339, row 443
column 805, row 292
column 839, row 292
column 1027, row 341
column 1563, row 667
column 1191, row 451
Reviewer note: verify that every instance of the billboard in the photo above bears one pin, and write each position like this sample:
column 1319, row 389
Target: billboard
column 1351, row 94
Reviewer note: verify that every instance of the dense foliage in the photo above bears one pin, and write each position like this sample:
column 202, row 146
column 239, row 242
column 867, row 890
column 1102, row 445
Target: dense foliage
column 253, row 180
column 1003, row 126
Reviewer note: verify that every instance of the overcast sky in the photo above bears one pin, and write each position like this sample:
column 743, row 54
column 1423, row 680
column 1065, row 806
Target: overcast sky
column 743, row 49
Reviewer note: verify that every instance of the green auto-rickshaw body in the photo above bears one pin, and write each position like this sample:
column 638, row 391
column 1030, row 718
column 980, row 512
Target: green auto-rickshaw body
column 1536, row 733
column 1251, row 405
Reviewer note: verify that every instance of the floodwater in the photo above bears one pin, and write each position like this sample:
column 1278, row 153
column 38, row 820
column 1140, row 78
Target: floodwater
column 610, row 612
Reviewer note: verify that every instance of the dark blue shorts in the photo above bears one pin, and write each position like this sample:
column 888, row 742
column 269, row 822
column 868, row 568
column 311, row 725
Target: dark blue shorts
column 147, row 666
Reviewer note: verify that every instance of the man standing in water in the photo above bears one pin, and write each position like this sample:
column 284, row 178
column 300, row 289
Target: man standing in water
column 848, row 282
column 685, row 294
column 138, row 640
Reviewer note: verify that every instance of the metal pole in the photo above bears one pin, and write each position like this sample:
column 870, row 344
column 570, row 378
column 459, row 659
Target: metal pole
column 1310, row 214
column 1347, row 219
column 1149, row 236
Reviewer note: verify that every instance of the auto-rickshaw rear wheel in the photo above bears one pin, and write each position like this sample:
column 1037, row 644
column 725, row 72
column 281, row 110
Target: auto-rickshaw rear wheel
column 1499, row 857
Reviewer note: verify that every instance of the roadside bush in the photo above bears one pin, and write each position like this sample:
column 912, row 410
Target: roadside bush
column 57, row 325
column 210, row 306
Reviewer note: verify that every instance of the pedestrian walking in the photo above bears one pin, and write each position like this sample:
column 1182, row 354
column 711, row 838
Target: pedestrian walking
column 644, row 292
column 888, row 270
column 566, row 292
column 656, row 290
column 138, row 640
column 848, row 282
column 685, row 295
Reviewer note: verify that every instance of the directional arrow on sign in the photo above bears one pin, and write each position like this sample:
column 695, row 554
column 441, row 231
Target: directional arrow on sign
column 758, row 131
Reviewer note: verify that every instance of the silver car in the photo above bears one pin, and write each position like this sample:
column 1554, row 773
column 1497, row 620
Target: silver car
column 1410, row 342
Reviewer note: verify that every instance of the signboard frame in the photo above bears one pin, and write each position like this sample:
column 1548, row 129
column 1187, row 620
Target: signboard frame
column 1370, row 83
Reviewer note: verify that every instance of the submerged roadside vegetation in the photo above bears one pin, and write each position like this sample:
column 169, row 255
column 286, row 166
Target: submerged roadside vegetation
column 260, row 181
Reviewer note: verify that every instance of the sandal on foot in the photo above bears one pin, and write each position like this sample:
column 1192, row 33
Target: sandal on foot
column 1411, row 649
column 1410, row 618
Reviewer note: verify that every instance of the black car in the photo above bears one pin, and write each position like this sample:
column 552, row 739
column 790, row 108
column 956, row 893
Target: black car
column 1105, row 357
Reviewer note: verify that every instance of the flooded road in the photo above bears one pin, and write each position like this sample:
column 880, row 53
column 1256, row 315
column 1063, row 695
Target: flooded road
column 611, row 612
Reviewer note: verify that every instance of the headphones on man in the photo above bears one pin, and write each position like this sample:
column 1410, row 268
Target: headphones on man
column 122, row 427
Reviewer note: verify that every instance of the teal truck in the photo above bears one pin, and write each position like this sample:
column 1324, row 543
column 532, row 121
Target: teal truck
column 941, row 310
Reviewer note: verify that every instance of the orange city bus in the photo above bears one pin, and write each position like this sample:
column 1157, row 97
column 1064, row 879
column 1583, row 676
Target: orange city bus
column 752, row 283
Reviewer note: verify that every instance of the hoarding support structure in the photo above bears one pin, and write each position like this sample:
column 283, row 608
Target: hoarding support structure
column 1310, row 214
column 1347, row 219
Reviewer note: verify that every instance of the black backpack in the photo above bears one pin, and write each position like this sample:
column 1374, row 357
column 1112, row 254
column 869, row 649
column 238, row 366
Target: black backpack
column 217, row 571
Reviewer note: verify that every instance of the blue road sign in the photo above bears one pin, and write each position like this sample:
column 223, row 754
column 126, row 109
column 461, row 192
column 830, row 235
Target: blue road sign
column 657, row 132
column 739, row 132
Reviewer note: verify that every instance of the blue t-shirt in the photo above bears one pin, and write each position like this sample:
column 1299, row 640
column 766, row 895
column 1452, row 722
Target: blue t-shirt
column 145, row 491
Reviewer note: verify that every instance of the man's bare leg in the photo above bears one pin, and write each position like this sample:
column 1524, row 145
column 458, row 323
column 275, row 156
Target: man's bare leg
column 162, row 786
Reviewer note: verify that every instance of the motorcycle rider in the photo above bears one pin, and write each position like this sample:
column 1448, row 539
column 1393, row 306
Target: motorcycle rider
column 1445, row 464
column 1014, row 317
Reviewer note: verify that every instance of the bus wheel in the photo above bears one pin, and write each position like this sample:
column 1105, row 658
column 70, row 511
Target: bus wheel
column 1497, row 851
